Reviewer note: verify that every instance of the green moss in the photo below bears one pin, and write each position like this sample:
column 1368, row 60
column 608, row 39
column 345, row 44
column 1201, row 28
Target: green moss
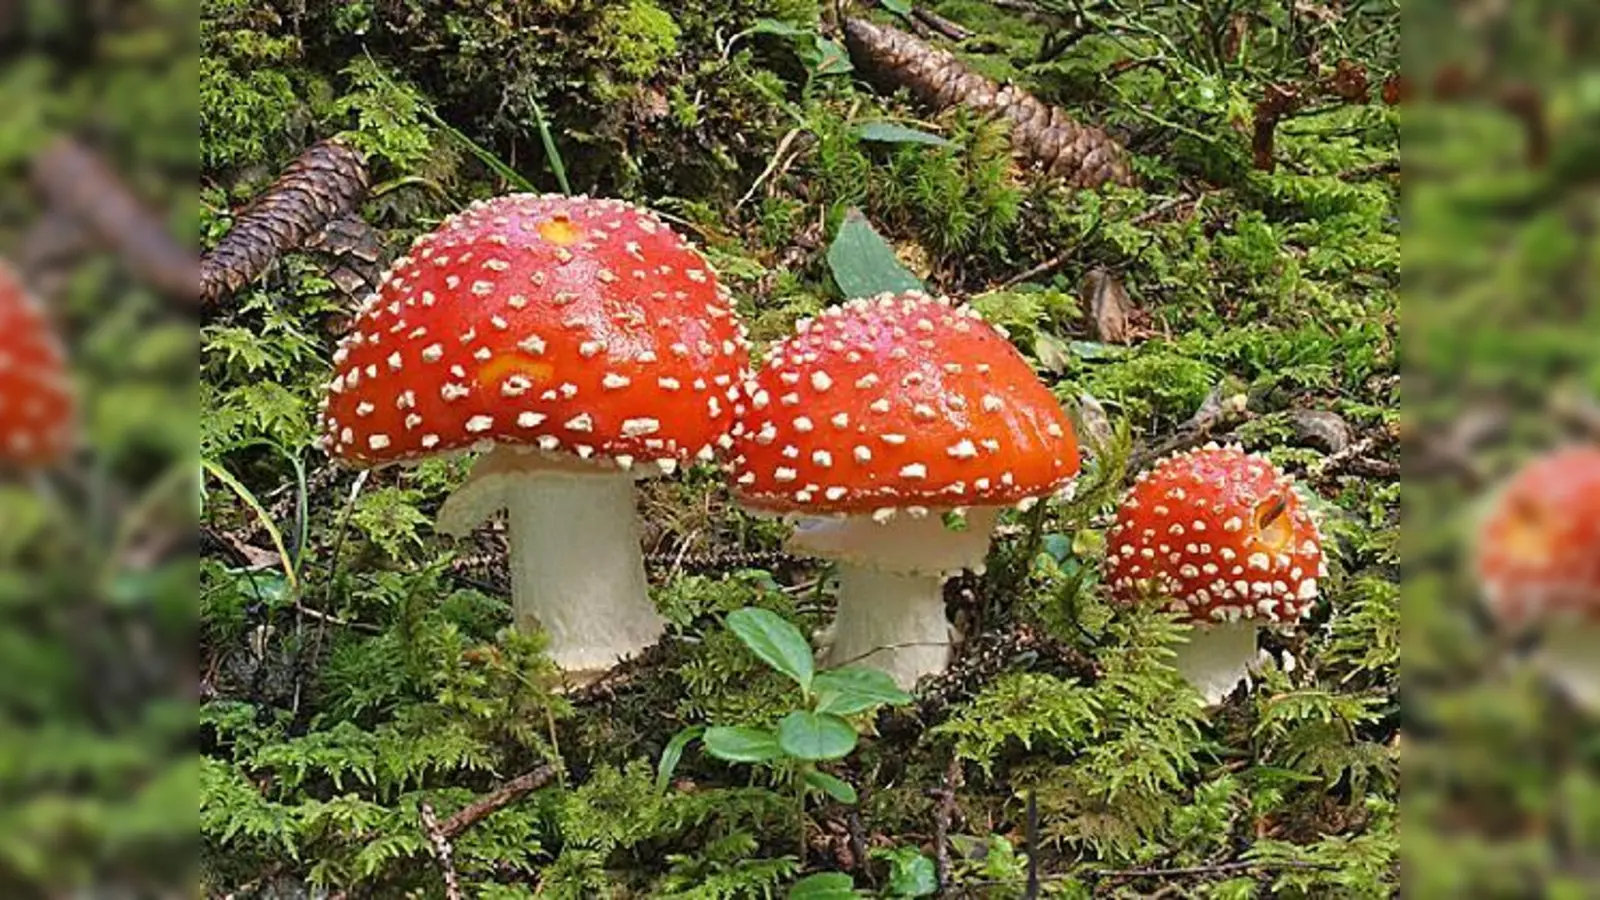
column 637, row 36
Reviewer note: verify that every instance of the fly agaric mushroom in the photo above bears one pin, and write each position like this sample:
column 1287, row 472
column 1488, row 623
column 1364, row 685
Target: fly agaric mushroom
column 1538, row 559
column 581, row 343
column 36, row 405
column 1221, row 535
column 874, row 420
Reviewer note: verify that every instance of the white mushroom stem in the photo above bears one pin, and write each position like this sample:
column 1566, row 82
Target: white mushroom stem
column 577, row 571
column 891, row 621
column 891, row 577
column 1569, row 655
column 1217, row 657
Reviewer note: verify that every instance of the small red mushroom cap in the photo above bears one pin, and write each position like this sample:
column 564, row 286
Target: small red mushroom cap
column 574, row 326
column 898, row 402
column 1538, row 554
column 1222, row 533
column 36, row 404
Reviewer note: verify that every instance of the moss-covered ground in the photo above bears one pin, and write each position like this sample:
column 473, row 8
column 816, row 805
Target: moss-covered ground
column 355, row 666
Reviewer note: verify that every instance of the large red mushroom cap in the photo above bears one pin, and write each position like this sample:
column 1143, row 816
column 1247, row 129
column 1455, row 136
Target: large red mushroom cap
column 1538, row 554
column 1222, row 533
column 579, row 327
column 899, row 402
column 36, row 404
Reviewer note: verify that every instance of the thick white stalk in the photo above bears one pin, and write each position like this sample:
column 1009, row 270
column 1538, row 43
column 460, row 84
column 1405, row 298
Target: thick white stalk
column 1217, row 657
column 890, row 621
column 577, row 571
column 1569, row 655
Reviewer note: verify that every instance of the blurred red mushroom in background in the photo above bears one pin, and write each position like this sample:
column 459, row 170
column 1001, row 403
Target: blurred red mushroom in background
column 1538, row 560
column 36, row 403
column 583, row 344
column 882, row 415
column 1222, row 536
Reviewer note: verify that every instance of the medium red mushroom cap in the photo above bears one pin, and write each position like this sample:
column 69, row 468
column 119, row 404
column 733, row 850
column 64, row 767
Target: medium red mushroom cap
column 36, row 404
column 570, row 325
column 1538, row 553
column 898, row 402
column 1222, row 533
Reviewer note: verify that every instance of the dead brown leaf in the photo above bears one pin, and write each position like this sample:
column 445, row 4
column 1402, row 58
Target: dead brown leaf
column 1108, row 305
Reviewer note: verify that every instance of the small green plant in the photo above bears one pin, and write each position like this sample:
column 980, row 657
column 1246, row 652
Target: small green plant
column 815, row 731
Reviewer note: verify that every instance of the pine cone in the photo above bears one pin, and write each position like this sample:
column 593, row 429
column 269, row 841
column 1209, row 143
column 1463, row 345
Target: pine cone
column 1083, row 155
column 325, row 181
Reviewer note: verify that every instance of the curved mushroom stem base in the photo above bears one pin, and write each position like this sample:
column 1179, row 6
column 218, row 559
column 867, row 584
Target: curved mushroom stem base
column 1570, row 657
column 1217, row 657
column 892, row 622
column 577, row 571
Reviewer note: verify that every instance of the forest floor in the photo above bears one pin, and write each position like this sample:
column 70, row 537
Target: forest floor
column 372, row 726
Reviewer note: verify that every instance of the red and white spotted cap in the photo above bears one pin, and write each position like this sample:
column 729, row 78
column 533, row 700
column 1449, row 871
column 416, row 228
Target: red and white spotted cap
column 36, row 403
column 1222, row 533
column 1538, row 554
column 574, row 326
column 899, row 402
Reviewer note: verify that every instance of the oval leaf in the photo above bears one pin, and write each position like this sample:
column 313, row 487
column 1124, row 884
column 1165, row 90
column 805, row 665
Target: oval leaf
column 863, row 263
column 778, row 643
column 824, row 886
column 836, row 788
column 893, row 133
column 854, row 689
column 742, row 744
column 809, row 735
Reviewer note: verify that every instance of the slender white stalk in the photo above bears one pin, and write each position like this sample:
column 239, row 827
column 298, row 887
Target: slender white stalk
column 891, row 621
column 1217, row 657
column 1569, row 655
column 577, row 571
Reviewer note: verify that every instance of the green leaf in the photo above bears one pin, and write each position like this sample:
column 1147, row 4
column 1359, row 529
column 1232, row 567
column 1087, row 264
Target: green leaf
column 778, row 643
column 901, row 8
column 911, row 874
column 742, row 744
column 836, row 788
column 854, row 689
column 830, row 58
column 1051, row 353
column 824, row 886
column 775, row 27
column 809, row 735
column 674, row 753
column 863, row 263
column 892, row 133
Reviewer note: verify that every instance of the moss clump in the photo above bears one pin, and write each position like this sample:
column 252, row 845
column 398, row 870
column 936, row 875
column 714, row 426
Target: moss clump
column 637, row 37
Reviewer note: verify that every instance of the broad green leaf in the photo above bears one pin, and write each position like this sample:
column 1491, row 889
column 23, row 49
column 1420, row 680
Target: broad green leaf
column 901, row 8
column 809, row 735
column 892, row 133
column 911, row 874
column 1051, row 353
column 778, row 643
column 854, row 689
column 862, row 262
column 828, row 58
column 742, row 744
column 674, row 753
column 836, row 788
column 824, row 886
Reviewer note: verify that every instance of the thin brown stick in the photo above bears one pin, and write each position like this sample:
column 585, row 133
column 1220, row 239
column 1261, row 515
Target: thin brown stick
column 77, row 182
column 498, row 799
column 944, row 811
column 442, row 851
column 1049, row 266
